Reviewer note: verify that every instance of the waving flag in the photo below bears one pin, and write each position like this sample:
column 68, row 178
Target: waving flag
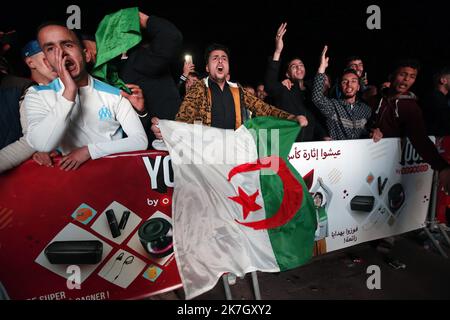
column 238, row 205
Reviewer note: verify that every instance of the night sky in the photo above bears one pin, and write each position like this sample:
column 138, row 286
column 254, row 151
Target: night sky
column 408, row 29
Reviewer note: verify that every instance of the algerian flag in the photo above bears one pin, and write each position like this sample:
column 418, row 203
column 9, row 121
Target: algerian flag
column 238, row 205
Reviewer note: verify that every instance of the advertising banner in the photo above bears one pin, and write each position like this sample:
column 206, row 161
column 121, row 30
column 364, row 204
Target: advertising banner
column 363, row 190
column 43, row 211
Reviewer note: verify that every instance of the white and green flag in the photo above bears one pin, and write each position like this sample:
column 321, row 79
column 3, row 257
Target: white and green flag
column 238, row 205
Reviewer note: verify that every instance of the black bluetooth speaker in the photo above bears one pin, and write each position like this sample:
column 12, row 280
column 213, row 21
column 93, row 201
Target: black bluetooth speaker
column 74, row 252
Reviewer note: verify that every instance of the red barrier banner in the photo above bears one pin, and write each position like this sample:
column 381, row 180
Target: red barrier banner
column 40, row 206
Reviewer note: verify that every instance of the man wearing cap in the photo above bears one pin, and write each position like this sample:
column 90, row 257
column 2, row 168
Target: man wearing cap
column 81, row 116
column 34, row 58
column 42, row 74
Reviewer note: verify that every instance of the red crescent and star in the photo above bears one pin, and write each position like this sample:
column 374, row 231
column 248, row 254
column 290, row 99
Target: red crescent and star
column 292, row 194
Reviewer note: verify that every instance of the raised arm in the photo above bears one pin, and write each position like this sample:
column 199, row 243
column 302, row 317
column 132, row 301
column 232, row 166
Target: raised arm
column 279, row 44
column 319, row 99
column 165, row 43
column 273, row 87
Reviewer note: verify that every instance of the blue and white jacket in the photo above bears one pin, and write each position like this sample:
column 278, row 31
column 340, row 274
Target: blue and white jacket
column 96, row 119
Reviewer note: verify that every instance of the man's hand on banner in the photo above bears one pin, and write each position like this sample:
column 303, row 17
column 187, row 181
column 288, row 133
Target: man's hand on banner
column 155, row 129
column 376, row 134
column 302, row 120
column 75, row 159
column 444, row 180
column 44, row 158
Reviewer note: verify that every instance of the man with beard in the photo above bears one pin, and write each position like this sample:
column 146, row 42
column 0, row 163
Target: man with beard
column 347, row 118
column 83, row 117
column 367, row 91
column 399, row 115
column 219, row 103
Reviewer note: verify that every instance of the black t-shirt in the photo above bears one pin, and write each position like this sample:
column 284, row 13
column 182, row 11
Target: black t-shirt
column 223, row 113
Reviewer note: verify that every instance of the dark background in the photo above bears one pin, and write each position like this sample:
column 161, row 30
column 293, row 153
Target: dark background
column 408, row 29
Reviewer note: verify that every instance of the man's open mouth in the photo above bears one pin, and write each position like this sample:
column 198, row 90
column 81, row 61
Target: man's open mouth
column 70, row 66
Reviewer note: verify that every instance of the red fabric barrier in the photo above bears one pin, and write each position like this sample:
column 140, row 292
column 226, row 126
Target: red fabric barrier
column 37, row 203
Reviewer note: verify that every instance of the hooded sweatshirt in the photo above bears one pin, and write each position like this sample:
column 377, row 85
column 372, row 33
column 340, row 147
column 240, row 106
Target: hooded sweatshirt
column 402, row 117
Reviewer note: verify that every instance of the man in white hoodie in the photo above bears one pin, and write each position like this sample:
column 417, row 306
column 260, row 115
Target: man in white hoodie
column 82, row 117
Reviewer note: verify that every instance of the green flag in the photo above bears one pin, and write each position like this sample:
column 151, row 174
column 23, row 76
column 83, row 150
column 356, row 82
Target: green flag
column 275, row 137
column 238, row 205
column 116, row 34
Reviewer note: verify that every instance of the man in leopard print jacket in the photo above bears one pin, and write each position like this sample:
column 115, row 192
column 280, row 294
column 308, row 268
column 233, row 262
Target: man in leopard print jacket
column 216, row 102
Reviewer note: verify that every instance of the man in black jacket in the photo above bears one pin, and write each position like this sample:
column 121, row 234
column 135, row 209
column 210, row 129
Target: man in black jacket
column 148, row 66
column 293, row 99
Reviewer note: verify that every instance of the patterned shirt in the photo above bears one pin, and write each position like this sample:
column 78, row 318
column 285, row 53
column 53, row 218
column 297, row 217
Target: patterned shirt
column 197, row 105
column 344, row 121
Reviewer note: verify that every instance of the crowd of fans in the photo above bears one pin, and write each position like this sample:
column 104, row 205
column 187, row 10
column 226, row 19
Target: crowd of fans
column 87, row 99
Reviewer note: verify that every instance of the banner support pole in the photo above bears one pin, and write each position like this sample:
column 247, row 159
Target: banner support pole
column 255, row 283
column 226, row 286
column 256, row 286
column 443, row 229
column 432, row 223
column 3, row 293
